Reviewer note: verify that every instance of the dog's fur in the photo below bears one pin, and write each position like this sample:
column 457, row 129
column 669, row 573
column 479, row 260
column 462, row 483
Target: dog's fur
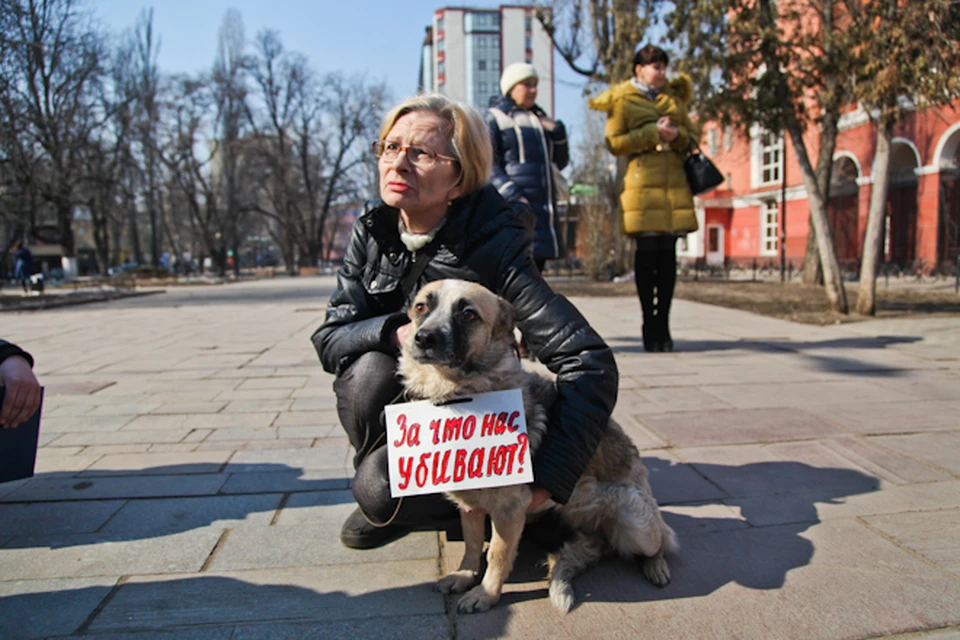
column 461, row 343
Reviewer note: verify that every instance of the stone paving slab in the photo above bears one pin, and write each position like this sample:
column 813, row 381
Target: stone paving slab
column 435, row 627
column 56, row 517
column 824, row 505
column 736, row 426
column 318, row 593
column 780, row 468
column 241, row 445
column 804, row 394
column 314, row 544
column 775, row 582
column 891, row 417
column 159, row 463
column 939, row 449
column 165, row 515
column 287, row 481
column 121, row 437
column 43, row 608
column 810, row 472
column 215, row 421
column 87, row 555
column 320, row 458
column 55, row 489
column 928, row 533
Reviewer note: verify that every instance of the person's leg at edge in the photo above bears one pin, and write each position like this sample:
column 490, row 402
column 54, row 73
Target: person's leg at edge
column 362, row 390
column 644, row 267
column 666, row 284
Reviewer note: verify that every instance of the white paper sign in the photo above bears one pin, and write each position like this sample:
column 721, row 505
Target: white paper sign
column 467, row 443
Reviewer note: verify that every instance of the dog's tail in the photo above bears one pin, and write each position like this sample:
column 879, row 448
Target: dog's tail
column 572, row 558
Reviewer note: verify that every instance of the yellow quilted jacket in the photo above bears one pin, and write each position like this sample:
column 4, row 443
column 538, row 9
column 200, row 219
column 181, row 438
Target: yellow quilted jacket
column 656, row 197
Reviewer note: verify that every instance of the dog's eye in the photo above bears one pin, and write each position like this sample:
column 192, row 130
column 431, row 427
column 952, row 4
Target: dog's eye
column 469, row 315
column 420, row 308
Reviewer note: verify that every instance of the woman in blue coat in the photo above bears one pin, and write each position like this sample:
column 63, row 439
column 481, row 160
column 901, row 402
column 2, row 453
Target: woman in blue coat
column 526, row 143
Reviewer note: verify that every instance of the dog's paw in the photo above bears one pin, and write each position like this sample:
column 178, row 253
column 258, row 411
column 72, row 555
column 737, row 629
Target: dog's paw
column 561, row 595
column 476, row 600
column 456, row 582
column 657, row 570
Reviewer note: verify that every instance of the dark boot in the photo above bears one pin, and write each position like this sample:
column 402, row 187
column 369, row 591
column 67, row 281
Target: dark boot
column 644, row 275
column 666, row 283
column 358, row 533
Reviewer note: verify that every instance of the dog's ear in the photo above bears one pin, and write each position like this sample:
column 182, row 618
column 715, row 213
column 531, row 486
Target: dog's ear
column 505, row 319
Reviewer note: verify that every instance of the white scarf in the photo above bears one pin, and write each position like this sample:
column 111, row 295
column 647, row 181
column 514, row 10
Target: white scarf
column 416, row 241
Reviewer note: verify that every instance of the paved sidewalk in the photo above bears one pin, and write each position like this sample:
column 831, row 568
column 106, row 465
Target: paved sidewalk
column 192, row 481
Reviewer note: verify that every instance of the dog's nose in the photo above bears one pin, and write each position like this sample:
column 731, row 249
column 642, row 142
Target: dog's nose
column 425, row 339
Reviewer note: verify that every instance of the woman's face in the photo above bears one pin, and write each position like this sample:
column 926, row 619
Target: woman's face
column 524, row 94
column 654, row 74
column 420, row 191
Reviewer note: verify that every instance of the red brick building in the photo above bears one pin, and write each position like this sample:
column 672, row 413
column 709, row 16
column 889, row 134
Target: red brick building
column 741, row 220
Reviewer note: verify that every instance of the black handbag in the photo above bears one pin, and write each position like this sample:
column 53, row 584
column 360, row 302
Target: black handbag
column 702, row 174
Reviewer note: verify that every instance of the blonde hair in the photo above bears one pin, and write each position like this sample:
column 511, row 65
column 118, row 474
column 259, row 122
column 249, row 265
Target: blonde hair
column 469, row 138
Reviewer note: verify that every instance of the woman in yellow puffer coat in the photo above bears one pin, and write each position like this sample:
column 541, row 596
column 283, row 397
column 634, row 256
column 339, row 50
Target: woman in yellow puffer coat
column 647, row 121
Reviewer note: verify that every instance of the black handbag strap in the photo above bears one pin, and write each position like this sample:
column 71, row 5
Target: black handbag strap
column 420, row 260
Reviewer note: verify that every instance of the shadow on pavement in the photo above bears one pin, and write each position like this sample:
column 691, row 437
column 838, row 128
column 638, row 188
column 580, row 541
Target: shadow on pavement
column 224, row 608
column 777, row 502
column 774, row 346
column 65, row 509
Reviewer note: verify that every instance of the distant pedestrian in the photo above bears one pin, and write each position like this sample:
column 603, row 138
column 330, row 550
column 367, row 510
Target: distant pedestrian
column 647, row 122
column 526, row 145
column 24, row 266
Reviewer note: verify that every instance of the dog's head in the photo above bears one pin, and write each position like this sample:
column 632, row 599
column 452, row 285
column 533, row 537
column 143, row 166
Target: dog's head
column 455, row 323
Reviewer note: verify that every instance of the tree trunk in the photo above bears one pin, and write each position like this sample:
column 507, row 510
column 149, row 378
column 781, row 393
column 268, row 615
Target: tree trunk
column 812, row 273
column 833, row 280
column 873, row 239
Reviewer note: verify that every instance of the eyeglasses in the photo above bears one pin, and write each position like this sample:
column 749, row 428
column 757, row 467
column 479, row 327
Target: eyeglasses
column 418, row 156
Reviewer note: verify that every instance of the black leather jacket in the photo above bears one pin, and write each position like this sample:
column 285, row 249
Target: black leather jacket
column 8, row 349
column 483, row 241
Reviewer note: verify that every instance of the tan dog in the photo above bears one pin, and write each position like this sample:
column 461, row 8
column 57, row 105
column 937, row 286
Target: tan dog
column 462, row 343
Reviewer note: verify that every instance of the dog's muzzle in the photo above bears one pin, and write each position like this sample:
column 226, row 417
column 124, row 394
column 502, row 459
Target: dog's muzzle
column 433, row 345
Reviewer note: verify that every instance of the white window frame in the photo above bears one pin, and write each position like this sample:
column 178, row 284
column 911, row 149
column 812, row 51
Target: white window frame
column 770, row 228
column 713, row 141
column 764, row 171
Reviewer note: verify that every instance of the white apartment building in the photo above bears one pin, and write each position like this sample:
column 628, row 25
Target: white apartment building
column 465, row 50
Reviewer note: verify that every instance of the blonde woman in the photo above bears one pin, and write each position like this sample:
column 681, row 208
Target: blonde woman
column 437, row 217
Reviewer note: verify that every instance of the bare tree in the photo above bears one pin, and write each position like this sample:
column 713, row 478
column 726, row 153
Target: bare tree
column 281, row 78
column 186, row 129
column 107, row 156
column 595, row 169
column 352, row 110
column 54, row 58
column 146, row 79
column 230, row 93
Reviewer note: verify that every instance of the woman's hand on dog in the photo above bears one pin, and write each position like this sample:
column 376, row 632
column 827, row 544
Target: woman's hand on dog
column 540, row 495
column 401, row 334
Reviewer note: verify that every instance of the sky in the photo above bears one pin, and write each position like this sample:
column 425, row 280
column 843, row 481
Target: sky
column 379, row 38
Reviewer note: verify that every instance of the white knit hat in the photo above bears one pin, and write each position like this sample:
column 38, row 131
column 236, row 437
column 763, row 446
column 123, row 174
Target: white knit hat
column 514, row 74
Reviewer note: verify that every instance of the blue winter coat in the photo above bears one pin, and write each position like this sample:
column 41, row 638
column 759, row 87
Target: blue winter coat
column 23, row 268
column 522, row 154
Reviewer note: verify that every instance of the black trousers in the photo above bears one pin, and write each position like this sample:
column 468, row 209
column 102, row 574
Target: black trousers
column 655, row 275
column 363, row 390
